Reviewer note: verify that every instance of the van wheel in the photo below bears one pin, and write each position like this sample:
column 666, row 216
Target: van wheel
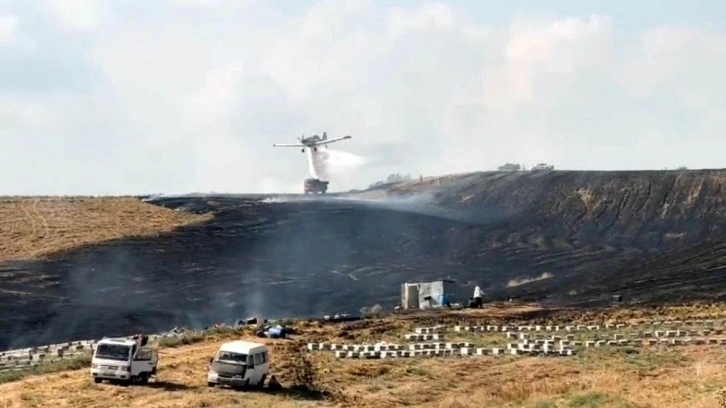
column 143, row 378
column 97, row 380
column 242, row 387
column 261, row 384
column 210, row 384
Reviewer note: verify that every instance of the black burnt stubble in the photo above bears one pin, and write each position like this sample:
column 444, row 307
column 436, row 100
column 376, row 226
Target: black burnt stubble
column 326, row 257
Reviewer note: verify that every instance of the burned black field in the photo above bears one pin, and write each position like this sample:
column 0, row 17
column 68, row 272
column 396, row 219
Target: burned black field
column 565, row 238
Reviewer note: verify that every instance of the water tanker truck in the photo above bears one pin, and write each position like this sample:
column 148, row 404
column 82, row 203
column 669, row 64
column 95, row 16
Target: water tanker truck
column 313, row 185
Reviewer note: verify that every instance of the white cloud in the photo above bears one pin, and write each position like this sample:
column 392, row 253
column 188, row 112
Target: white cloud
column 193, row 100
column 8, row 30
column 197, row 3
column 76, row 15
column 214, row 101
column 430, row 16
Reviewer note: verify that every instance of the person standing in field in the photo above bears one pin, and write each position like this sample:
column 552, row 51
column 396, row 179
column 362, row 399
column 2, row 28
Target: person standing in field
column 478, row 302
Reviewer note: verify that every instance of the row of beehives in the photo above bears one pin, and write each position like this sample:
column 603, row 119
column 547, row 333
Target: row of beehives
column 667, row 337
column 27, row 364
column 678, row 341
column 619, row 336
column 527, row 344
column 56, row 350
column 59, row 350
column 592, row 327
column 30, row 357
column 27, row 358
column 639, row 338
column 382, row 346
column 522, row 347
column 495, row 328
column 387, row 350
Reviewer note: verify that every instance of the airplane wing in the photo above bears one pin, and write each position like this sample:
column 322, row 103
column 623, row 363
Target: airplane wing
column 337, row 139
column 288, row 145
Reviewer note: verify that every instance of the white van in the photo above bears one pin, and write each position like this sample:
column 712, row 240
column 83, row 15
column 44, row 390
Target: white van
column 239, row 364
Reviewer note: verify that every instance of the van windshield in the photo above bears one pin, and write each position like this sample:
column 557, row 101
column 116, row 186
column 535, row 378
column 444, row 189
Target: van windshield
column 230, row 357
column 112, row 352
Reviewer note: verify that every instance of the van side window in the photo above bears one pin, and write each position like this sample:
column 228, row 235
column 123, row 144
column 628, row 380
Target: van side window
column 264, row 357
column 258, row 358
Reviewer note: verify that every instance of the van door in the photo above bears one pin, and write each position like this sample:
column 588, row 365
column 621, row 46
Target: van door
column 142, row 362
column 265, row 364
column 252, row 370
column 260, row 367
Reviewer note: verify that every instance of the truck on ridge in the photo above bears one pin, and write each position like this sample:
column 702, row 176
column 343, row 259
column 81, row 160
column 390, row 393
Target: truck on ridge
column 313, row 185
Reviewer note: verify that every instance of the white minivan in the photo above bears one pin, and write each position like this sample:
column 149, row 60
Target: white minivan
column 239, row 364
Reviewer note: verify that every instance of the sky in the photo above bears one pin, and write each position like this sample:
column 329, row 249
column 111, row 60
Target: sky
column 177, row 96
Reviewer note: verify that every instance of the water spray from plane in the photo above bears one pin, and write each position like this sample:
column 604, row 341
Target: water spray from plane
column 328, row 163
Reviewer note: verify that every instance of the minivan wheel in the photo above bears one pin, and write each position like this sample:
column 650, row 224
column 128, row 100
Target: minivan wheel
column 261, row 384
column 210, row 384
column 243, row 386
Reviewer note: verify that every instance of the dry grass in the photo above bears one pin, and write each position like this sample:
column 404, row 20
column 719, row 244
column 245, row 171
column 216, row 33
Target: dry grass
column 38, row 226
column 605, row 377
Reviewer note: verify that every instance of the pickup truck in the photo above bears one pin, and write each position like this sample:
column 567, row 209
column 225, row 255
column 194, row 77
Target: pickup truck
column 124, row 360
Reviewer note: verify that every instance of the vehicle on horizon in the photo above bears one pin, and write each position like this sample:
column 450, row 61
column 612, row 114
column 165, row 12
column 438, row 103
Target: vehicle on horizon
column 509, row 167
column 312, row 142
column 543, row 167
column 124, row 359
column 313, row 185
column 239, row 364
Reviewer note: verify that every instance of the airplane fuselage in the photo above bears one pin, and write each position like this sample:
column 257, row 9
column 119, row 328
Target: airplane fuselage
column 313, row 142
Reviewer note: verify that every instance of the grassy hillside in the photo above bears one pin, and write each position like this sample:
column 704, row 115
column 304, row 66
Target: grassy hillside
column 31, row 227
column 608, row 376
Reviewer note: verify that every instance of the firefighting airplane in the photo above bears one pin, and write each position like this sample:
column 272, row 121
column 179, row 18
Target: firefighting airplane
column 312, row 142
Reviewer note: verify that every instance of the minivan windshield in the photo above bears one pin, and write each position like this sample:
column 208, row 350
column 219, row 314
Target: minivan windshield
column 112, row 352
column 230, row 357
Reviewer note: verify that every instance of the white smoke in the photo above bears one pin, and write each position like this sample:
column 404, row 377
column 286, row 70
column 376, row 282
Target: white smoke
column 326, row 164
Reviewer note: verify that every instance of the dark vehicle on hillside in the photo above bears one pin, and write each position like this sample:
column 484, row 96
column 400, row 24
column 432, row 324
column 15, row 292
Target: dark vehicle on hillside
column 313, row 185
column 509, row 167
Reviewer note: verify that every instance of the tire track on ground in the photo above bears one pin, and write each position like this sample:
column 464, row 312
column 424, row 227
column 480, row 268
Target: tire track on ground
column 40, row 216
column 30, row 219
